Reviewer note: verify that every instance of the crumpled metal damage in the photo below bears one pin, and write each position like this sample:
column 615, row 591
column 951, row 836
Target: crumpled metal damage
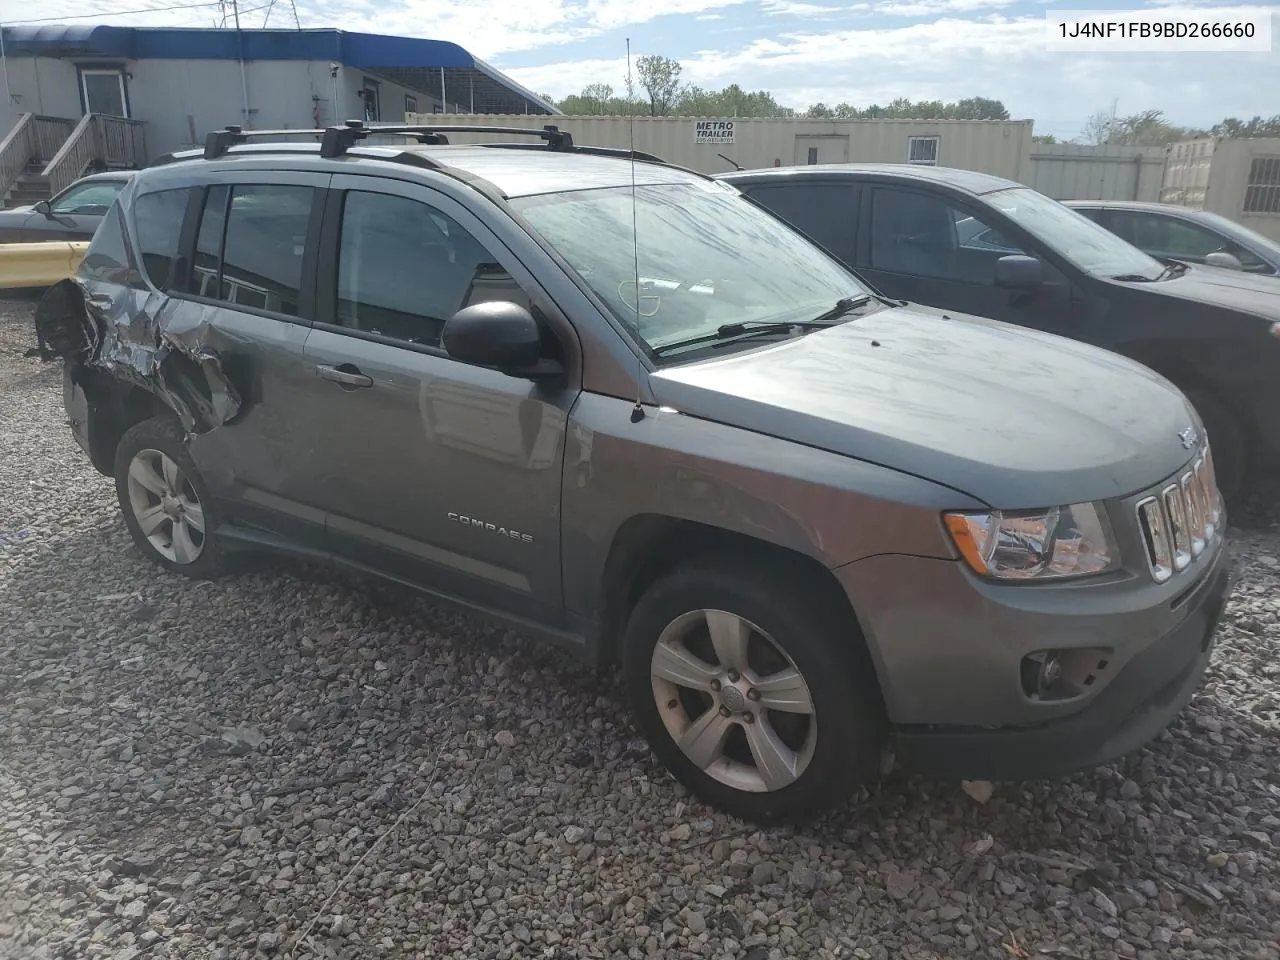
column 141, row 338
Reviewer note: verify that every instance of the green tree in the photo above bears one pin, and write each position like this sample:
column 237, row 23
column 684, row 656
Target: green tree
column 971, row 108
column 660, row 78
column 1231, row 128
column 1044, row 138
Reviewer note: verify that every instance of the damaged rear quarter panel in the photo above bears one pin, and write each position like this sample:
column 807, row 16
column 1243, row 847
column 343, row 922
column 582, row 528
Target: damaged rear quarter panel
column 108, row 319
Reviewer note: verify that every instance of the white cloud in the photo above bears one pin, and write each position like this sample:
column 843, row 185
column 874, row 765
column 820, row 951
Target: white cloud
column 933, row 8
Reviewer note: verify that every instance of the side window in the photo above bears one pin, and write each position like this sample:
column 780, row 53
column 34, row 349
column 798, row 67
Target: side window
column 404, row 268
column 826, row 212
column 1171, row 237
column 107, row 258
column 924, row 236
column 261, row 245
column 88, row 199
column 157, row 220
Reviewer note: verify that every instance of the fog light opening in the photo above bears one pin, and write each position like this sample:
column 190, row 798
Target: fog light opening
column 1041, row 673
column 1063, row 674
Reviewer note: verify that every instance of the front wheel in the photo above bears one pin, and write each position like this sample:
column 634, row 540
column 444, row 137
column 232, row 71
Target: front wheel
column 754, row 692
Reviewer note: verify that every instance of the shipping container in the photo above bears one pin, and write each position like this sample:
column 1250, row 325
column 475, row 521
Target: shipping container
column 716, row 144
column 1238, row 179
column 1071, row 171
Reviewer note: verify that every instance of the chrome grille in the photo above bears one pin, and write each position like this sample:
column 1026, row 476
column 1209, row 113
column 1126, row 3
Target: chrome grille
column 1181, row 521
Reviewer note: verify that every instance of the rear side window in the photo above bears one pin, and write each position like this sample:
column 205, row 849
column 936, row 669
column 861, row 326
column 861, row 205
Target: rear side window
column 826, row 212
column 250, row 246
column 157, row 219
column 107, row 258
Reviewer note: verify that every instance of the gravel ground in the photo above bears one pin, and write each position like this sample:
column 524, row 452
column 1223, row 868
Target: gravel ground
column 295, row 763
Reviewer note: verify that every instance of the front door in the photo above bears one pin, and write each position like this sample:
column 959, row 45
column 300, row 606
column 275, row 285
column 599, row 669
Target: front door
column 103, row 91
column 439, row 473
column 933, row 249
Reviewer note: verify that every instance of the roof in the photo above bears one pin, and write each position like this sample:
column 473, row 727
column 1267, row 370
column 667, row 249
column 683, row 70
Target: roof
column 370, row 51
column 1134, row 205
column 969, row 181
column 514, row 172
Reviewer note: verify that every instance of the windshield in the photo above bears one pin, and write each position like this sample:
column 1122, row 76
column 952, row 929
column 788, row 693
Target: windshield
column 1092, row 248
column 707, row 257
column 1240, row 231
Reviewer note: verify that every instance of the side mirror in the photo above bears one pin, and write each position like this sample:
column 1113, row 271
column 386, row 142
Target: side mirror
column 1019, row 272
column 1223, row 260
column 500, row 334
column 43, row 209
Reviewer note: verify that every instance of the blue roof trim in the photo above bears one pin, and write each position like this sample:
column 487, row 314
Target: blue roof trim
column 368, row 50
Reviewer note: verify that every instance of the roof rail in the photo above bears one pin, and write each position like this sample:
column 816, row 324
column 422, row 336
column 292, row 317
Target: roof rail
column 620, row 152
column 218, row 142
column 338, row 140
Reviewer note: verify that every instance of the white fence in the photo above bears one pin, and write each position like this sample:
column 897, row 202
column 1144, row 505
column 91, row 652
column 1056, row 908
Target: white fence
column 1069, row 171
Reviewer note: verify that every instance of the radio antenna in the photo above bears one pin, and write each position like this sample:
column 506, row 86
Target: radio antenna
column 637, row 412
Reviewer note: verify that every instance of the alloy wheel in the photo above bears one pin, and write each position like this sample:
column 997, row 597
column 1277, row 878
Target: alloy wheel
column 166, row 506
column 733, row 701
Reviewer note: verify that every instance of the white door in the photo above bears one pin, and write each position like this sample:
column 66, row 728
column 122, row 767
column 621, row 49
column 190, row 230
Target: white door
column 832, row 149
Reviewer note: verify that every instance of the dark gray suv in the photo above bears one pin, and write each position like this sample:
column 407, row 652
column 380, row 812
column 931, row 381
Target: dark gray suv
column 614, row 404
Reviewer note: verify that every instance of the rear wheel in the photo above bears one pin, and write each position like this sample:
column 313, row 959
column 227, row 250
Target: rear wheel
column 756, row 694
column 1226, row 439
column 166, row 504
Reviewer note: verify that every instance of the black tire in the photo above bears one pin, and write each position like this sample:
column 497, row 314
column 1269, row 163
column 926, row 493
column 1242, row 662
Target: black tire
column 163, row 435
column 821, row 641
column 1226, row 440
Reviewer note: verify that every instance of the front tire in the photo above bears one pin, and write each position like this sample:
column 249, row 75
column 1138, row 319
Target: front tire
column 753, row 689
column 165, row 502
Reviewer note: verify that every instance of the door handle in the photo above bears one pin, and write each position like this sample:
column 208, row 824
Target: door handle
column 345, row 375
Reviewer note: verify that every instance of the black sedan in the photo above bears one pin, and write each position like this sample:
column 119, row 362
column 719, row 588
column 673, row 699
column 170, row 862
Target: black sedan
column 74, row 214
column 1182, row 233
column 982, row 245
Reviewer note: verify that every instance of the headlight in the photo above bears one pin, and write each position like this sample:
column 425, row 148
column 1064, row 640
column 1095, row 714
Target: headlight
column 1051, row 544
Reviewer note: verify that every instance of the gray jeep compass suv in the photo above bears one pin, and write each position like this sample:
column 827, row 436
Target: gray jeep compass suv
column 616, row 405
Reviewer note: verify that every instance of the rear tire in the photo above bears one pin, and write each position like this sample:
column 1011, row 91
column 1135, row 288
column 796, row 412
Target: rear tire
column 166, row 504
column 1226, row 440
column 753, row 689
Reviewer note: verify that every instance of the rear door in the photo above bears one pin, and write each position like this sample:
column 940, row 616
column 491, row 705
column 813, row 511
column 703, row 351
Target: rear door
column 244, row 290
column 433, row 471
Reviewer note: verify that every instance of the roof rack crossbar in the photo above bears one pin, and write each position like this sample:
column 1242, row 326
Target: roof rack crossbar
column 218, row 142
column 338, row 140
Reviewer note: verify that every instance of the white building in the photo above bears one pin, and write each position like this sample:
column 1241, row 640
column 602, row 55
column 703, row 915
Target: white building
column 98, row 96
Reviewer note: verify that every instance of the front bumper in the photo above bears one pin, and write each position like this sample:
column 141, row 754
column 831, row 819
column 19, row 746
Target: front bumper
column 948, row 647
column 1144, row 697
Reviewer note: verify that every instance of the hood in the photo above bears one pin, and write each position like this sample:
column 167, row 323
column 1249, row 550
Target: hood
column 1245, row 292
column 1013, row 417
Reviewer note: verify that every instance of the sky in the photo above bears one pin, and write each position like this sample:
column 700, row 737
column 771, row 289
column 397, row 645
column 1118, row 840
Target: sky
column 802, row 51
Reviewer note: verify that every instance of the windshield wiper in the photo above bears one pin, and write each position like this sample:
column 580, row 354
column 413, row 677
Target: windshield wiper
column 732, row 332
column 1135, row 278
